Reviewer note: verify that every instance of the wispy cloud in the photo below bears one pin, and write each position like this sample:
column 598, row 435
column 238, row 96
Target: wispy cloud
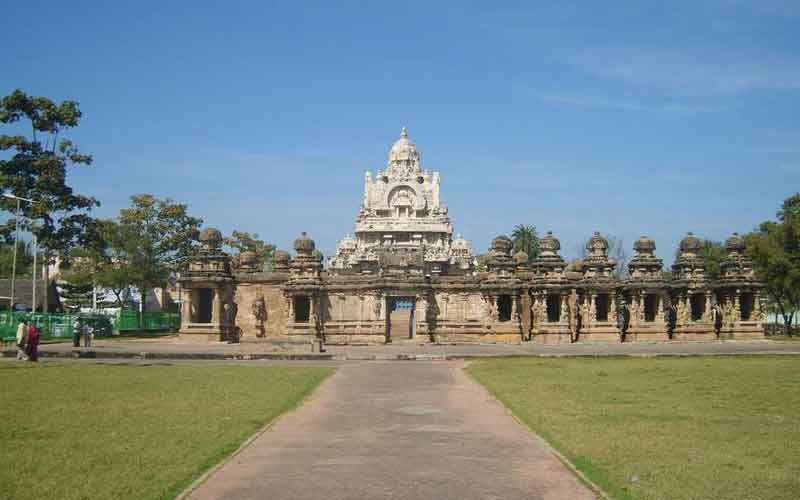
column 696, row 72
column 585, row 101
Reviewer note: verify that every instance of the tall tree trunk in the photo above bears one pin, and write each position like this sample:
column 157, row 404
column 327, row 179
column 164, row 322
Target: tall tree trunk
column 787, row 323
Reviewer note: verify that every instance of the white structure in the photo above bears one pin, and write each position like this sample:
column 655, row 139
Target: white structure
column 402, row 214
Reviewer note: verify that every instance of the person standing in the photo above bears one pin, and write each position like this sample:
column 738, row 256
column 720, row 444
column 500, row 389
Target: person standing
column 22, row 339
column 88, row 331
column 76, row 332
column 32, row 347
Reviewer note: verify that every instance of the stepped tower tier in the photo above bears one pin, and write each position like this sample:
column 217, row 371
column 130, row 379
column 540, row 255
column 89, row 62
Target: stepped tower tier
column 402, row 215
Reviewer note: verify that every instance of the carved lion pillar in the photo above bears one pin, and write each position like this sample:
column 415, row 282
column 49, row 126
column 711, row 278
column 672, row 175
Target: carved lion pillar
column 660, row 310
column 186, row 308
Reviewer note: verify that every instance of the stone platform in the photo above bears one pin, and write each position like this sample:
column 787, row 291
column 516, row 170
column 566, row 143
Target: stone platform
column 169, row 348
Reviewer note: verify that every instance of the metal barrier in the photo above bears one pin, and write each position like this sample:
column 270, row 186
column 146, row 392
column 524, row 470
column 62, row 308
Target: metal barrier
column 55, row 325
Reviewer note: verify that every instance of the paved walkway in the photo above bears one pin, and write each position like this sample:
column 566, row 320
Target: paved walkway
column 169, row 348
column 395, row 430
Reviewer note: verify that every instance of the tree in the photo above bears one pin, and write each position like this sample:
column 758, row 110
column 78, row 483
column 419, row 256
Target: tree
column 105, row 263
column 36, row 168
column 243, row 241
column 526, row 239
column 24, row 259
column 155, row 238
column 775, row 250
column 76, row 295
column 713, row 252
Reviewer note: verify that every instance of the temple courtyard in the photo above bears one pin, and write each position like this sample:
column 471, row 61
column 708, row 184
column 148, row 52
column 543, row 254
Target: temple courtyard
column 686, row 425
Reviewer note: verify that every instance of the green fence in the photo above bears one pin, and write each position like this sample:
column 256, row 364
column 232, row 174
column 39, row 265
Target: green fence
column 55, row 325
column 150, row 321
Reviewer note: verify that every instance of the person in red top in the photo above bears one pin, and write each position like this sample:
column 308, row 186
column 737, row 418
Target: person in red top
column 32, row 347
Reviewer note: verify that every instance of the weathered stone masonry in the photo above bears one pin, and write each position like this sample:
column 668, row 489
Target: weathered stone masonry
column 403, row 278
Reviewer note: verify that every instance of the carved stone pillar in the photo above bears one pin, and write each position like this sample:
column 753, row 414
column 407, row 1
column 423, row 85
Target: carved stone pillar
column 737, row 306
column 377, row 306
column 660, row 310
column 186, row 308
column 216, row 310
column 612, row 307
column 563, row 317
column 707, row 309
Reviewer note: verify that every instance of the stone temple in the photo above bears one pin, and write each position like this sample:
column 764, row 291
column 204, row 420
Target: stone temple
column 402, row 221
column 402, row 277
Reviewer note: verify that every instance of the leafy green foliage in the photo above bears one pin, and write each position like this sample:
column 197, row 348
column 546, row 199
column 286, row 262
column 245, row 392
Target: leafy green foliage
column 24, row 259
column 714, row 253
column 36, row 168
column 243, row 241
column 775, row 250
column 525, row 238
column 75, row 296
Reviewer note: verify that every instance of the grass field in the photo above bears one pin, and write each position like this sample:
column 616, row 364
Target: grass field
column 80, row 431
column 664, row 428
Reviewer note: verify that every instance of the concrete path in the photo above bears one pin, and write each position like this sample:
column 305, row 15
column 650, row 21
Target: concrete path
column 395, row 430
column 169, row 348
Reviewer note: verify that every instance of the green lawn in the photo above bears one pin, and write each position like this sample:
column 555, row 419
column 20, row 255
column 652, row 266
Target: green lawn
column 81, row 431
column 664, row 428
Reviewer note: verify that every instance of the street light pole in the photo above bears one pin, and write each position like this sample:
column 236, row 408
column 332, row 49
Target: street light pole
column 14, row 261
column 35, row 251
column 16, row 240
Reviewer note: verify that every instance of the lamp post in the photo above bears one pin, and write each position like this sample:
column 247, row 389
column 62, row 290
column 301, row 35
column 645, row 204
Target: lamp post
column 16, row 239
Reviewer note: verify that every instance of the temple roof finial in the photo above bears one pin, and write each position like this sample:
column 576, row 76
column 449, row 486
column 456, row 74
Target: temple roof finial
column 403, row 132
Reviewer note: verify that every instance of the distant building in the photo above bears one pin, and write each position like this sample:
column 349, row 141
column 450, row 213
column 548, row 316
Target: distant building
column 23, row 294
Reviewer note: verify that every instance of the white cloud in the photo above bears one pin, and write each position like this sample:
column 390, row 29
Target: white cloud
column 696, row 72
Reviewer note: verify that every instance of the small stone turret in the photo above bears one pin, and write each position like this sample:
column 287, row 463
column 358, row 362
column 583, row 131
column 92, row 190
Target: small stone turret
column 690, row 265
column 737, row 265
column 645, row 266
column 549, row 264
column 500, row 260
column 308, row 261
column 248, row 261
column 597, row 264
column 280, row 261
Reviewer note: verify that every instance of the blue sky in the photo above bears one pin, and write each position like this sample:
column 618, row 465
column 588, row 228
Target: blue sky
column 630, row 118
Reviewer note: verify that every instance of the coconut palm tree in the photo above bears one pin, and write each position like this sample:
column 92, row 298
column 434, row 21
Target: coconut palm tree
column 526, row 239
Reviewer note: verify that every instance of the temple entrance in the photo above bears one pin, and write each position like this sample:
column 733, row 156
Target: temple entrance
column 401, row 318
column 205, row 304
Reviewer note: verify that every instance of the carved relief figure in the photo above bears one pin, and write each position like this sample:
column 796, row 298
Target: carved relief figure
column 259, row 312
column 681, row 312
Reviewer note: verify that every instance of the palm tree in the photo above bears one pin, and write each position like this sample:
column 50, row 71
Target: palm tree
column 526, row 239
